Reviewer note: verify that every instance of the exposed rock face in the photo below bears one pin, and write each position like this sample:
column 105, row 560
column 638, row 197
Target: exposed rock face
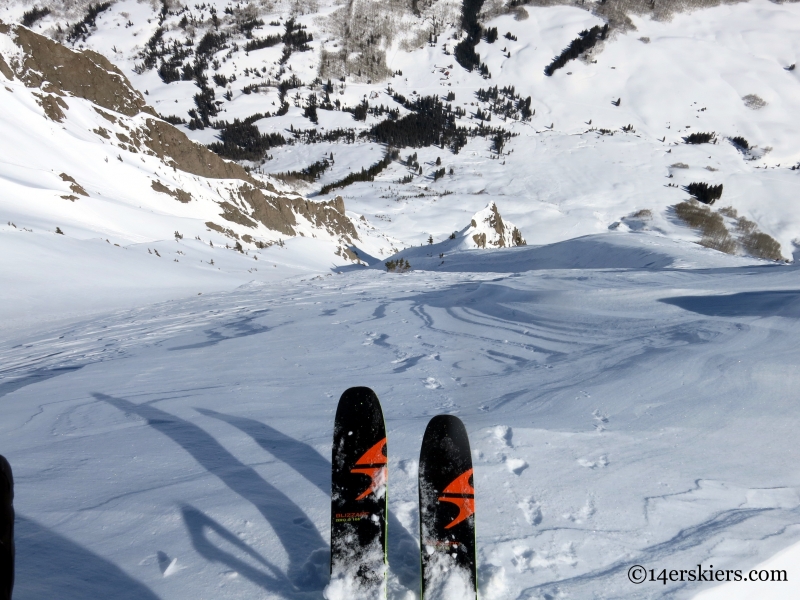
column 171, row 144
column 487, row 230
column 58, row 73
column 327, row 215
column 179, row 195
column 74, row 185
column 57, row 69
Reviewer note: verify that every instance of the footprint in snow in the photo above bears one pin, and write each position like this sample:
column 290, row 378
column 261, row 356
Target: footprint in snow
column 582, row 514
column 516, row 465
column 594, row 464
column 601, row 420
column 504, row 433
column 531, row 511
column 432, row 384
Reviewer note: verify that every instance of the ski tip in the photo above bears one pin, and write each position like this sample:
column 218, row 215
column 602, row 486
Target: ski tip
column 447, row 425
column 358, row 401
column 358, row 392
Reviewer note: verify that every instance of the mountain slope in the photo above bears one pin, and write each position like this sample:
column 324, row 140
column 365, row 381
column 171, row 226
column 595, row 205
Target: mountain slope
column 83, row 155
column 605, row 137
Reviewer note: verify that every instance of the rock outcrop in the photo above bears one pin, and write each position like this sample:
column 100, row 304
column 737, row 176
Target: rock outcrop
column 488, row 230
column 55, row 73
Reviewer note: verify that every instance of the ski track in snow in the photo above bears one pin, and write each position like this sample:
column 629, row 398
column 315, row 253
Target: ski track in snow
column 618, row 417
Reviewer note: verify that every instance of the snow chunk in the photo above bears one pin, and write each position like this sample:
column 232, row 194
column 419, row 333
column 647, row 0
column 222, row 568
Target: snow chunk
column 446, row 580
column 516, row 465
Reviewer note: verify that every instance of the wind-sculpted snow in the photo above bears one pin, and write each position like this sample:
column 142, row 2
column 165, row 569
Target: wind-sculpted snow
column 619, row 415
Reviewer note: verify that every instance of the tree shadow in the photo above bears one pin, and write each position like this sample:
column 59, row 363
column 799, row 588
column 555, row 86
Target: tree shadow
column 403, row 549
column 296, row 532
column 782, row 303
column 49, row 565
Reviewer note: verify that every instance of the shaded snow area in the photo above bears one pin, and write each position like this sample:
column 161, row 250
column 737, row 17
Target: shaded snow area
column 619, row 414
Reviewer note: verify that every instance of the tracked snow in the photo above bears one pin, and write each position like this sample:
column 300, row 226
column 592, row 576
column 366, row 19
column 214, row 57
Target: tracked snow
column 170, row 369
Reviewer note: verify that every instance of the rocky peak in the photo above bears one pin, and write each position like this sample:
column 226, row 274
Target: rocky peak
column 488, row 230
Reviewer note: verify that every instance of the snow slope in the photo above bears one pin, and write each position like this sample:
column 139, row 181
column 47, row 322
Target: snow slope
column 94, row 219
column 620, row 414
column 630, row 396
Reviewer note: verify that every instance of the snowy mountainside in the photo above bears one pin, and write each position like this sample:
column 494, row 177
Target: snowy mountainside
column 605, row 138
column 169, row 370
column 89, row 176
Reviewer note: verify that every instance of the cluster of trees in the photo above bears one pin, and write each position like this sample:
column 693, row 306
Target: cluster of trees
column 431, row 123
column 173, row 119
column 259, row 43
column 585, row 41
column 504, row 102
column 295, row 37
column 705, row 193
column 312, row 172
column 247, row 25
column 362, row 109
column 364, row 174
column 700, row 138
column 206, row 105
column 465, row 50
column 740, row 143
column 241, row 140
column 401, row 265
column 80, row 30
column 310, row 110
column 171, row 69
column 498, row 141
column 313, row 136
column 30, row 17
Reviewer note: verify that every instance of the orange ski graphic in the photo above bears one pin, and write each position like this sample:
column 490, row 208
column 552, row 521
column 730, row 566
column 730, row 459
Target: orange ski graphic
column 372, row 457
column 465, row 500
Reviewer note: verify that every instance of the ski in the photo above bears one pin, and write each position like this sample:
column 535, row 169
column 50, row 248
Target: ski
column 447, row 512
column 358, row 498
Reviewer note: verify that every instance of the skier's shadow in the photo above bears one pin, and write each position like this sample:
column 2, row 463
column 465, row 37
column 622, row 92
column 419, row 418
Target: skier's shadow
column 302, row 542
column 49, row 565
column 403, row 549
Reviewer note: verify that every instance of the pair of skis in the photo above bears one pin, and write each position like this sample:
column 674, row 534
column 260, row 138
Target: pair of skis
column 359, row 504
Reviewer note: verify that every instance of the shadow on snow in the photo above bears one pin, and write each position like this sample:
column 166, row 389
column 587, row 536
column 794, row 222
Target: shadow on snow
column 785, row 303
column 403, row 549
column 307, row 551
column 49, row 565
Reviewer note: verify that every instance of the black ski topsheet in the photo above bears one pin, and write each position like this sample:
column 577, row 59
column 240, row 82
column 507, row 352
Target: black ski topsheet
column 358, row 494
column 447, row 509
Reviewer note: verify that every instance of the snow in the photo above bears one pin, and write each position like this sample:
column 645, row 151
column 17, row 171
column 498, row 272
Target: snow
column 633, row 394
column 629, row 395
